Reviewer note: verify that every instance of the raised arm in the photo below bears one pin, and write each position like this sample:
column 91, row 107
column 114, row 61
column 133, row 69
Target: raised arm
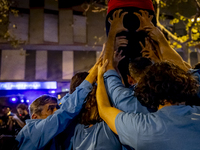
column 106, row 112
column 43, row 130
column 116, row 27
column 121, row 97
column 167, row 52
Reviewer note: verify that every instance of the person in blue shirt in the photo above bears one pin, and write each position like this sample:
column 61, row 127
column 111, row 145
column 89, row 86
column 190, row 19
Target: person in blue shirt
column 40, row 132
column 121, row 97
column 174, row 126
column 92, row 132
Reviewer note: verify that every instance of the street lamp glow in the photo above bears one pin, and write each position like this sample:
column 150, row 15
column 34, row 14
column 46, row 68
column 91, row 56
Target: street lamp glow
column 198, row 19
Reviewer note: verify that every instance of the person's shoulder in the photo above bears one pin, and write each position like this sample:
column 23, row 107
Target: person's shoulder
column 31, row 122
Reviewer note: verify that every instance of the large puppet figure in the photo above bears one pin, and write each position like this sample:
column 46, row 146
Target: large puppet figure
column 132, row 23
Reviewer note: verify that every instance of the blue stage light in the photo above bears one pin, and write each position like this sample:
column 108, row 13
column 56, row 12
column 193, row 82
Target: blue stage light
column 52, row 92
column 22, row 101
column 27, row 101
column 13, row 99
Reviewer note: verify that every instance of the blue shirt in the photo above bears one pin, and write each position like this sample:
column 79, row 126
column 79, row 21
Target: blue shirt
column 97, row 137
column 121, row 97
column 170, row 128
column 41, row 133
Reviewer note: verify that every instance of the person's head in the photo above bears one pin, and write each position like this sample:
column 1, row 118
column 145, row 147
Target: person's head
column 5, row 110
column 22, row 109
column 43, row 106
column 89, row 113
column 76, row 80
column 165, row 83
column 138, row 67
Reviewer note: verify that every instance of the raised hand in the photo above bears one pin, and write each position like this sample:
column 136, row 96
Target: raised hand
column 154, row 33
column 117, row 22
column 145, row 19
column 120, row 41
column 102, row 68
column 117, row 58
column 149, row 51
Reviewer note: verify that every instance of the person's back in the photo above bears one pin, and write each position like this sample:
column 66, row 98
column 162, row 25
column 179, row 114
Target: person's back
column 97, row 137
column 175, row 125
column 170, row 128
column 92, row 133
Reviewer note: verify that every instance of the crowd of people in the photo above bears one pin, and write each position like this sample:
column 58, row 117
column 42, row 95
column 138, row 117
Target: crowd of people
column 11, row 123
column 155, row 105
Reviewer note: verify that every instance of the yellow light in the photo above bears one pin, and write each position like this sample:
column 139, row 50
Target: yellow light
column 59, row 96
column 198, row 19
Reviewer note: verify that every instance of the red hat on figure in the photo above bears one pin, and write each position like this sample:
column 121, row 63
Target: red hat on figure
column 143, row 4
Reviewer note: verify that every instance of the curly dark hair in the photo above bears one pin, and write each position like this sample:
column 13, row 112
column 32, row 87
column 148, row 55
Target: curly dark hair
column 90, row 114
column 138, row 66
column 165, row 81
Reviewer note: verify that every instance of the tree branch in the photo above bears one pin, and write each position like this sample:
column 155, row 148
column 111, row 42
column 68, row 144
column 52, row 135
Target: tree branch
column 172, row 36
column 190, row 28
column 193, row 24
column 198, row 5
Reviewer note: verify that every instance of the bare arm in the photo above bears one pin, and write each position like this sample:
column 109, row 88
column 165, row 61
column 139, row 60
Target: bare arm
column 106, row 112
column 155, row 34
column 92, row 76
column 19, row 122
column 167, row 52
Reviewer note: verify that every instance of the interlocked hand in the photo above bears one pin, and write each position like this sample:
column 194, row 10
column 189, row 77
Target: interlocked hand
column 102, row 68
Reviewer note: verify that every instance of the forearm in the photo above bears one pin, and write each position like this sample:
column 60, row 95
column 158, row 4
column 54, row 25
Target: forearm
column 169, row 54
column 10, row 125
column 20, row 123
column 91, row 78
column 109, row 49
column 102, row 97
